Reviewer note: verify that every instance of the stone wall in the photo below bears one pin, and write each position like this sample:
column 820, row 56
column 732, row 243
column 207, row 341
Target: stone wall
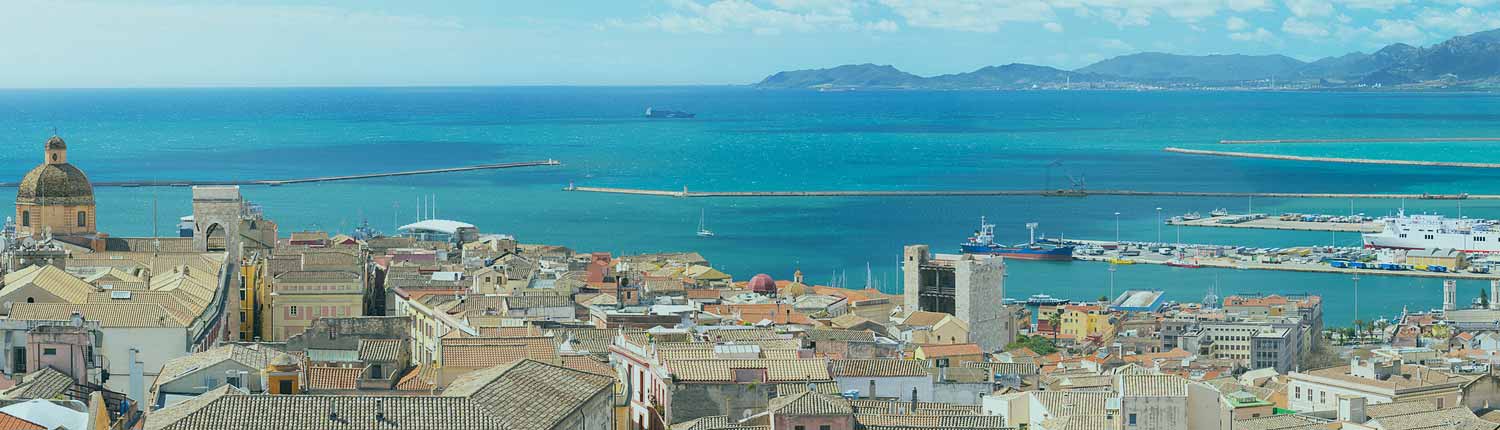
column 345, row 333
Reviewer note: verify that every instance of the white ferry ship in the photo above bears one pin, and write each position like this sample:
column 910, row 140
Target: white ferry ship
column 1435, row 232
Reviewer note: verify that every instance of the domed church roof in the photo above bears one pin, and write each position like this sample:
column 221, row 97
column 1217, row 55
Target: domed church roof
column 55, row 182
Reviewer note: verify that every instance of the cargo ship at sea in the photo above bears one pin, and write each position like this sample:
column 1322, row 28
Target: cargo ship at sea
column 1435, row 232
column 983, row 242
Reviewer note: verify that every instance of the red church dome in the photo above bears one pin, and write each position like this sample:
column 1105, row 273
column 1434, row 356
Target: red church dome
column 763, row 284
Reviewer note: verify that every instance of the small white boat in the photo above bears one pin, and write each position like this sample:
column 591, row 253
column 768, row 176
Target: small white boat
column 703, row 231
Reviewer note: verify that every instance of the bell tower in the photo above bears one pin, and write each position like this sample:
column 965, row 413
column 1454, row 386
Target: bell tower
column 57, row 151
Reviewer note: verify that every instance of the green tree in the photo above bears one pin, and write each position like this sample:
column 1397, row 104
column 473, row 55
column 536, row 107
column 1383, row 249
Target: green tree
column 1484, row 298
column 1056, row 320
column 1359, row 327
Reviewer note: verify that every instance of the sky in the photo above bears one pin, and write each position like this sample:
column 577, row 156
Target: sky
column 122, row 43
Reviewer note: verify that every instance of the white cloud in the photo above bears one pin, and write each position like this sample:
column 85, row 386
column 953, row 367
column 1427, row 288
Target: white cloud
column 1260, row 34
column 1235, row 23
column 884, row 25
column 1053, row 27
column 1115, row 45
column 990, row 15
column 1470, row 3
column 1397, row 30
column 969, row 15
column 1246, row 5
column 690, row 16
column 1309, row 8
column 1303, row 28
column 1462, row 20
column 1380, row 5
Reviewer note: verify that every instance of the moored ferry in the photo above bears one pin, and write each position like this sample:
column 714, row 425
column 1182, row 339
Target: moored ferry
column 1435, row 232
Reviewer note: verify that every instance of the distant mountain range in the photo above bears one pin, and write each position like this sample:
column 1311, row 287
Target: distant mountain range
column 1470, row 61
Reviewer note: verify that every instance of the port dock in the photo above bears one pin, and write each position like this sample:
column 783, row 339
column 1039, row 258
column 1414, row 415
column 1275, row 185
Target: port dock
column 685, row 193
column 1285, row 263
column 279, row 182
column 1276, row 223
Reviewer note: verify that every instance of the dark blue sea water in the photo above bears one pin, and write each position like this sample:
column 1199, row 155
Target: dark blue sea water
column 746, row 139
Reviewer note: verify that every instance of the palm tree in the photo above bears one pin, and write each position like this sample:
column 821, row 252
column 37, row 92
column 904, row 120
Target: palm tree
column 1056, row 320
column 1359, row 327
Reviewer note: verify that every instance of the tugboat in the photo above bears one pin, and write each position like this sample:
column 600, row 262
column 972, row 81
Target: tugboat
column 665, row 113
column 983, row 242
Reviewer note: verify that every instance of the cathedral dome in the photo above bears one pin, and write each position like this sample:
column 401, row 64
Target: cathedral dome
column 55, row 184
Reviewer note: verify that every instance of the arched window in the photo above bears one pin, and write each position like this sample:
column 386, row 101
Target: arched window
column 54, row 156
column 26, row 218
column 83, row 218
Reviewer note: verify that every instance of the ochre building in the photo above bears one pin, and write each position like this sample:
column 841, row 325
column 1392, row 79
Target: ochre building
column 55, row 197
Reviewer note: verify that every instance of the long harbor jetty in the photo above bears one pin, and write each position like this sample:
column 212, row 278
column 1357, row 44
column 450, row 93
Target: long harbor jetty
column 685, row 193
column 1334, row 159
column 1363, row 140
column 279, row 182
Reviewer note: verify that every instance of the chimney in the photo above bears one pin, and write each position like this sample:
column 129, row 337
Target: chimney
column 137, row 378
column 1352, row 409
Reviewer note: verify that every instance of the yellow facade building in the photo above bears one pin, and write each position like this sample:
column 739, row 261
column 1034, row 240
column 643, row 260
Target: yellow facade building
column 255, row 297
column 1084, row 321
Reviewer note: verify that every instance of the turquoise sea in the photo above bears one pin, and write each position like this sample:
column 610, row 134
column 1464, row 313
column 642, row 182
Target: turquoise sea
column 746, row 139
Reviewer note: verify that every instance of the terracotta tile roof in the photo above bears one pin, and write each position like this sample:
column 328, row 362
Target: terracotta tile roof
column 931, row 351
column 107, row 314
column 809, row 403
column 877, row 407
column 380, row 349
column 12, row 422
column 333, row 378
column 420, row 378
column 931, row 421
column 825, row 387
column 44, row 383
column 530, row 395
column 1282, row 422
column 51, row 279
column 1025, row 369
column 704, row 293
column 487, row 352
column 722, row 370
column 923, row 318
column 819, row 334
column 587, row 364
column 877, row 367
column 320, row 412
column 526, row 302
column 724, row 335
column 1152, row 386
column 255, row 357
